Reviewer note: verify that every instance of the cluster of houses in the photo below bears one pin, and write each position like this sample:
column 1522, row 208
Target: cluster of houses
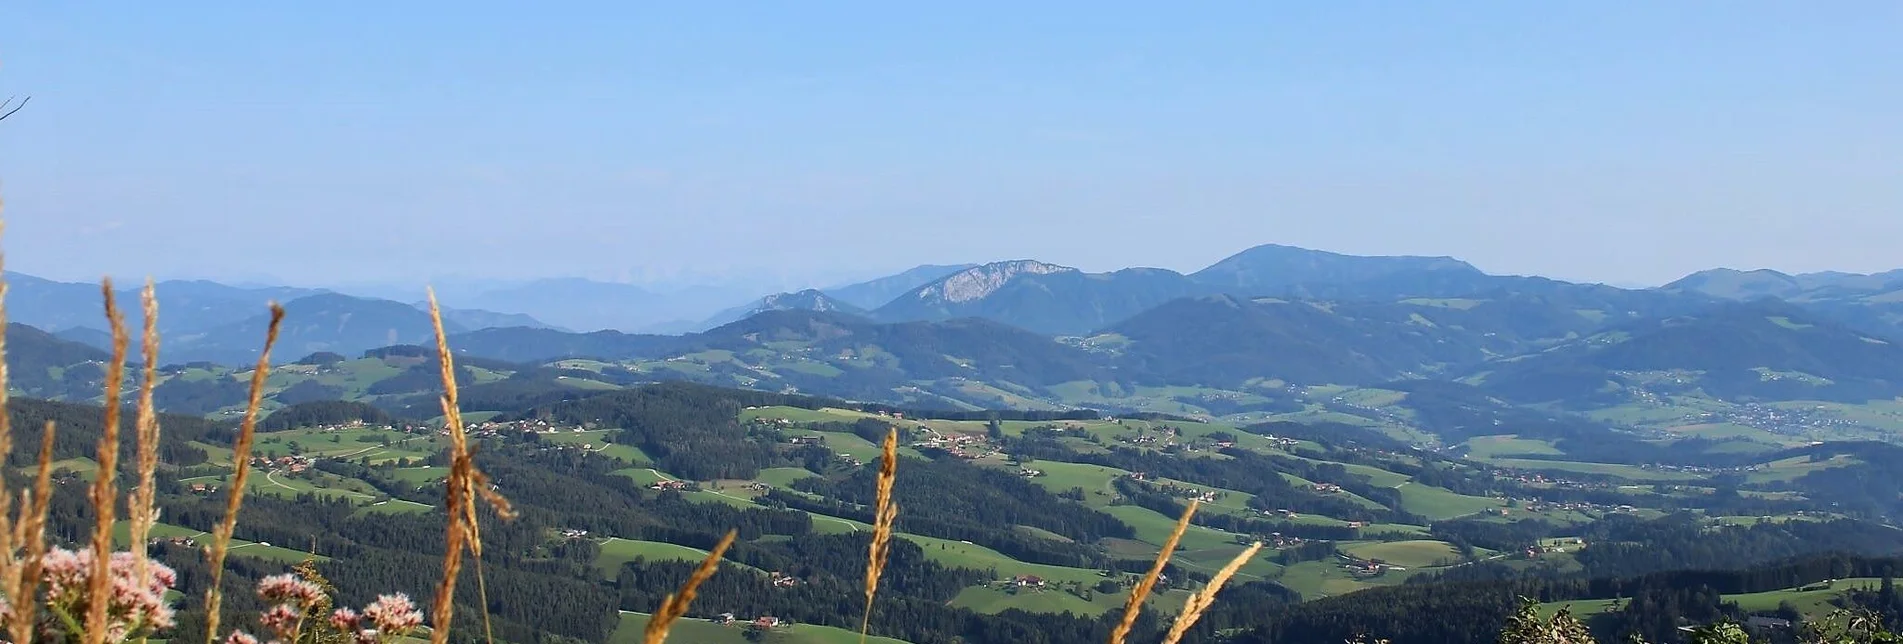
column 1689, row 469
column 779, row 580
column 1274, row 540
column 668, row 484
column 1544, row 481
column 1325, row 488
column 762, row 622
column 779, row 423
column 1534, row 552
column 1779, row 420
column 518, row 426
column 359, row 424
column 1538, row 506
column 1186, row 492
column 573, row 533
column 965, row 446
column 1147, row 439
column 1364, row 568
column 293, row 464
column 805, row 439
column 1283, row 442
column 1285, row 513
column 1179, row 491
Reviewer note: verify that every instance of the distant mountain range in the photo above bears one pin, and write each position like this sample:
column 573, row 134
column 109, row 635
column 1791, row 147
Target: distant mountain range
column 807, row 300
column 1263, row 332
column 208, row 321
column 876, row 293
column 1743, row 285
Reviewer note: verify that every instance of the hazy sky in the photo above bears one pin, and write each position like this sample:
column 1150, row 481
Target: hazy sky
column 330, row 142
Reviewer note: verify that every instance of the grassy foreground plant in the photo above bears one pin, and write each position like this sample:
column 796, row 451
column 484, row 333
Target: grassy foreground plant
column 884, row 512
column 1133, row 606
column 464, row 484
column 241, row 465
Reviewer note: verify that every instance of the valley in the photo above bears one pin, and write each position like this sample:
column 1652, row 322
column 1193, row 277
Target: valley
column 1413, row 425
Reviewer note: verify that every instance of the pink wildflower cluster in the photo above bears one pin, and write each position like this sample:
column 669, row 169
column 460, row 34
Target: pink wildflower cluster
column 385, row 620
column 290, row 589
column 135, row 607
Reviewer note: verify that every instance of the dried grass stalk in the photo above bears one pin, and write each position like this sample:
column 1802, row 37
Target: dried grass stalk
column 25, row 533
column 30, row 529
column 463, row 486
column 105, row 488
column 142, row 510
column 10, row 568
column 885, row 511
column 1197, row 604
column 1134, row 605
column 675, row 606
column 234, row 492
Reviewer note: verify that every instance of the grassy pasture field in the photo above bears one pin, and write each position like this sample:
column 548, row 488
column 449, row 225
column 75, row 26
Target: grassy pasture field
column 1790, row 469
column 1489, row 447
column 702, row 631
column 285, row 484
column 596, row 440
column 1812, row 603
column 1628, row 472
column 1318, row 579
column 122, row 530
column 998, row 598
column 395, row 506
column 1410, row 554
column 1439, row 503
column 616, row 551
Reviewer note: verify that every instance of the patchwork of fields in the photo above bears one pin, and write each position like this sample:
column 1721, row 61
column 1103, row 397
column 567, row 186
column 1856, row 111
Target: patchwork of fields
column 1360, row 563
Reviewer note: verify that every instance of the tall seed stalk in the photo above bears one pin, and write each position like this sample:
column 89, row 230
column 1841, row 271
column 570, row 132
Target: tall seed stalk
column 105, row 489
column 143, row 507
column 22, row 534
column 675, row 605
column 1194, row 607
column 1134, row 605
column 885, row 511
column 234, row 493
column 463, row 486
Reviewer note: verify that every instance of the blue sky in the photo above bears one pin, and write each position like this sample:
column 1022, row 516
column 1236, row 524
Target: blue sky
column 812, row 142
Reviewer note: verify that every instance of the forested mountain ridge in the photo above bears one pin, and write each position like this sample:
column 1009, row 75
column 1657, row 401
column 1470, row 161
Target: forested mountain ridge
column 872, row 294
column 1872, row 303
column 1274, row 268
column 1764, row 350
column 1040, row 297
column 1356, row 340
column 807, row 300
column 1657, row 365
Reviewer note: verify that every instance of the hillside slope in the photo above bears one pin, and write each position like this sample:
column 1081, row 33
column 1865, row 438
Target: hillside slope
column 1044, row 298
column 1765, row 350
